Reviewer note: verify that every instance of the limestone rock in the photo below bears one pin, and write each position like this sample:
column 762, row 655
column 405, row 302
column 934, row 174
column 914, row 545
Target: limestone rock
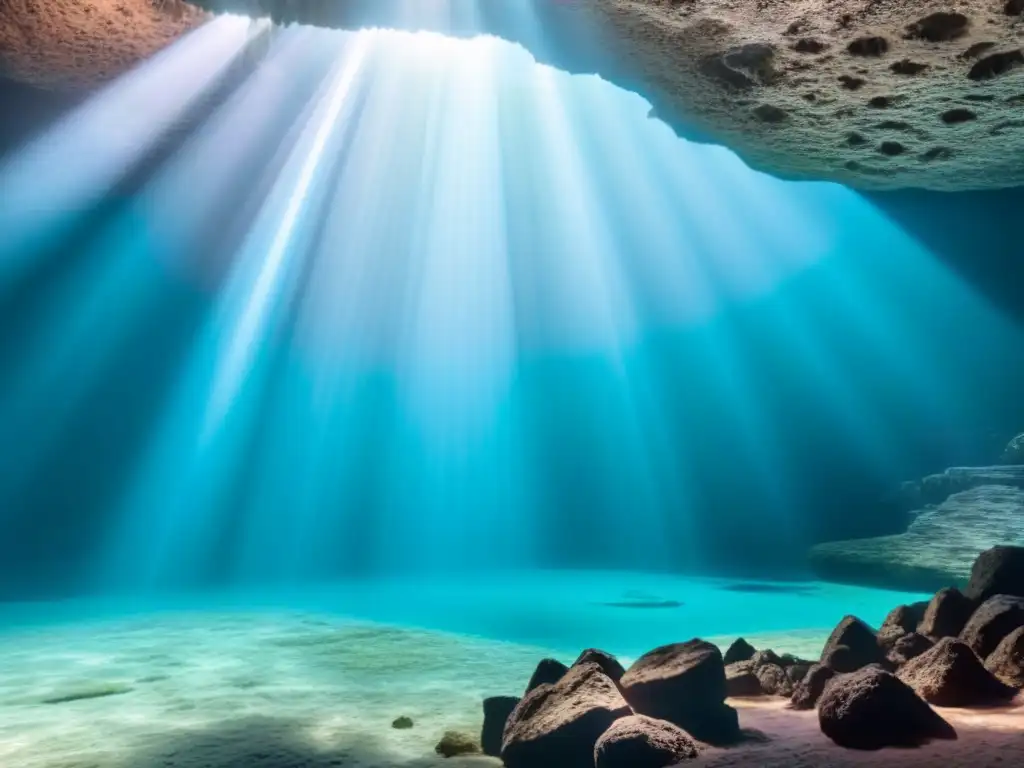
column 683, row 683
column 643, row 742
column 995, row 619
column 557, row 725
column 1007, row 661
column 497, row 710
column 740, row 650
column 547, row 671
column 946, row 614
column 938, row 548
column 874, row 95
column 950, row 674
column 871, row 709
column 997, row 571
column 807, row 692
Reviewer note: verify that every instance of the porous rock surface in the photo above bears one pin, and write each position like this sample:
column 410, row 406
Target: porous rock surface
column 637, row 741
column 937, row 549
column 950, row 674
column 871, row 93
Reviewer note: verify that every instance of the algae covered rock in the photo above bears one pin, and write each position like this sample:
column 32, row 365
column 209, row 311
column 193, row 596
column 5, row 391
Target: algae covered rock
column 558, row 724
column 872, row 709
column 685, row 684
column 638, row 741
column 950, row 674
column 454, row 744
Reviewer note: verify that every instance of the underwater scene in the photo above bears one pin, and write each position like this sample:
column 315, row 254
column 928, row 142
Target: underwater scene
column 537, row 383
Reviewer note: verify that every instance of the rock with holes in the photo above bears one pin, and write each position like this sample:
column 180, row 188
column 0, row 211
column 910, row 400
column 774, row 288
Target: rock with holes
column 1007, row 661
column 741, row 679
column 807, row 692
column 950, row 674
column 730, row 72
column 608, row 663
column 946, row 614
column 638, row 741
column 995, row 619
column 997, row 571
column 908, row 647
column 906, row 617
column 683, row 683
column 872, row 709
column 558, row 725
column 774, row 681
column 497, row 710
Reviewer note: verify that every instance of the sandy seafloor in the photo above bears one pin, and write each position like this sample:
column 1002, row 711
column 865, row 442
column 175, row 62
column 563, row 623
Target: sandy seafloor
column 312, row 678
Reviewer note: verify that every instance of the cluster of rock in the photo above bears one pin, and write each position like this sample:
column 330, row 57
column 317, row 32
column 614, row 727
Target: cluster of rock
column 952, row 516
column 872, row 689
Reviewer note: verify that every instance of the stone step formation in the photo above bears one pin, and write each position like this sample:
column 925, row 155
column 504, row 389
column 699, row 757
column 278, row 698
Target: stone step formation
column 872, row 689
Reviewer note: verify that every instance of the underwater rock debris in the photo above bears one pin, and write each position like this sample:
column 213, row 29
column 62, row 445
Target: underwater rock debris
column 690, row 60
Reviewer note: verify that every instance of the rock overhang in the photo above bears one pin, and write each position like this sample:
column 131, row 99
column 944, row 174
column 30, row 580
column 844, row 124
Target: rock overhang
column 875, row 95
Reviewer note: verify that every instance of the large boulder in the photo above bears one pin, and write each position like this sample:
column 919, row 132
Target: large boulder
column 995, row 619
column 608, row 663
column 860, row 640
column 740, row 650
column 946, row 614
column 547, row 671
column 807, row 692
column 497, row 710
column 638, row 741
column 906, row 617
column 774, row 681
column 558, row 725
column 997, row 571
column 741, row 680
column 684, row 683
column 1007, row 661
column 950, row 674
column 871, row 709
column 939, row 546
column 908, row 647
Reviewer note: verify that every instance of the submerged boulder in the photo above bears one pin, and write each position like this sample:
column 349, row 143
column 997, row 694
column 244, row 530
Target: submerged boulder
column 497, row 710
column 995, row 619
column 638, row 741
column 740, row 679
column 905, row 617
column 807, row 692
column 557, row 725
column 454, row 744
column 908, row 647
column 774, row 681
column 1014, row 452
column 1007, row 661
column 997, row 571
column 608, row 663
column 740, row 650
column 859, row 640
column 950, row 674
column 946, row 614
column 684, row 683
column 548, row 671
column 872, row 709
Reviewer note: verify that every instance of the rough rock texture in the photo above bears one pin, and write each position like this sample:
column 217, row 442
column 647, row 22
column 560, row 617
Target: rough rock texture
column 946, row 614
column 1007, row 661
column 938, row 548
column 740, row 650
column 876, row 95
column 908, row 647
column 78, row 43
column 683, row 683
column 774, row 681
column 454, row 744
column 548, row 671
column 995, row 619
column 558, row 725
column 1014, row 453
column 497, row 710
column 643, row 742
column 950, row 674
column 608, row 663
column 741, row 680
column 807, row 692
column 906, row 617
column 997, row 571
column 871, row 709
column 853, row 634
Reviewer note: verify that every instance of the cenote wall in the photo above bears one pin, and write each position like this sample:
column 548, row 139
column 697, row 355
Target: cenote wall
column 755, row 477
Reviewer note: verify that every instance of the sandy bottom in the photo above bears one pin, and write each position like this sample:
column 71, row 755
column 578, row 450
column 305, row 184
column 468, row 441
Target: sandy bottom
column 112, row 685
